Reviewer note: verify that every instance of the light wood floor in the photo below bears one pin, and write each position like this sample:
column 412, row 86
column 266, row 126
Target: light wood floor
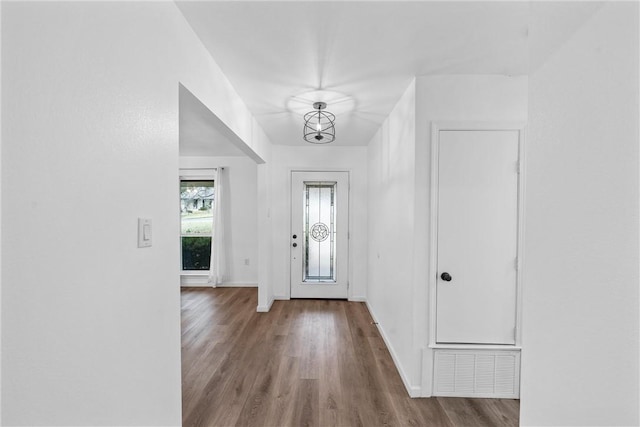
column 305, row 363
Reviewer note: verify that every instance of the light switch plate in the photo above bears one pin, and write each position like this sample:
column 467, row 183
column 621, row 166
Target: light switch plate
column 144, row 232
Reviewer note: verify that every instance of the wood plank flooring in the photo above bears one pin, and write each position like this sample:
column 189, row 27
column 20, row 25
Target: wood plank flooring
column 305, row 363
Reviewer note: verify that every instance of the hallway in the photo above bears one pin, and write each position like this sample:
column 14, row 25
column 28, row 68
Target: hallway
column 306, row 362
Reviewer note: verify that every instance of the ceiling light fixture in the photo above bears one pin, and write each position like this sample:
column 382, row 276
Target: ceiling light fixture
column 319, row 125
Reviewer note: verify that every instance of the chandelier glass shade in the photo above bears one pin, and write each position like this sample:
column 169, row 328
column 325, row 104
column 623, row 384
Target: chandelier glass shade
column 319, row 127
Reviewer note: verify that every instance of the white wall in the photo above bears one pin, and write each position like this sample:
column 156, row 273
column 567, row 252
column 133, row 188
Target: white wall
column 399, row 194
column 453, row 98
column 1, row 274
column 265, row 237
column 476, row 98
column 391, row 158
column 287, row 158
column 580, row 340
column 91, row 323
column 240, row 212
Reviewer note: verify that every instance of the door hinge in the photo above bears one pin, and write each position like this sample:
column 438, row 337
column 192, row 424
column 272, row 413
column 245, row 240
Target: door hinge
column 516, row 265
column 518, row 167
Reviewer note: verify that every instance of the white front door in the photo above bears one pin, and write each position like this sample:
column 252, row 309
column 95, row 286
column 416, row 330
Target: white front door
column 477, row 236
column 319, row 234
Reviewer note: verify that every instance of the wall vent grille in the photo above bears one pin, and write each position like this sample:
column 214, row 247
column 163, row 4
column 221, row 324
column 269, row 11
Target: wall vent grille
column 477, row 373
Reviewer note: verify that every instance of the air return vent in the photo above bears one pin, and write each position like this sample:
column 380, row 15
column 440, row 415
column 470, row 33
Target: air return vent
column 477, row 373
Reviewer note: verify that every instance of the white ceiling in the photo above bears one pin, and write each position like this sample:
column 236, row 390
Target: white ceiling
column 360, row 57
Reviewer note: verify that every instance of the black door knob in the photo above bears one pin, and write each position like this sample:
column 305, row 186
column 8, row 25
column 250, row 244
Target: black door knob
column 295, row 236
column 295, row 245
column 446, row 277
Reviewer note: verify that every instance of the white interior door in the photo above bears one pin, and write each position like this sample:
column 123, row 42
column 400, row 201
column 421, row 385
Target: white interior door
column 477, row 236
column 319, row 234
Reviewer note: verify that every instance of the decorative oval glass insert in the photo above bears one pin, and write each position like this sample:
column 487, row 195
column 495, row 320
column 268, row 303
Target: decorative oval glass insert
column 319, row 232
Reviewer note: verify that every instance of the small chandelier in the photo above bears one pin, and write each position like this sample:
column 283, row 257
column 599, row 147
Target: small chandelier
column 318, row 125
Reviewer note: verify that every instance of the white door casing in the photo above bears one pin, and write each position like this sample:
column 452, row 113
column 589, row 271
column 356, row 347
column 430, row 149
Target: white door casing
column 319, row 252
column 477, row 224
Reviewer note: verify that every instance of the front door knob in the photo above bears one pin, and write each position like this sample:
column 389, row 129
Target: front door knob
column 446, row 277
column 295, row 245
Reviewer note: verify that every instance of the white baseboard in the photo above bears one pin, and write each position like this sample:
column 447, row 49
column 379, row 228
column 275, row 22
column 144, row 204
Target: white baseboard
column 265, row 308
column 195, row 281
column 237, row 285
column 202, row 281
column 354, row 298
column 413, row 391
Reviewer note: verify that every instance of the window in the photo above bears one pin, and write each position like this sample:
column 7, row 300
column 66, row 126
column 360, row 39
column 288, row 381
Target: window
column 319, row 231
column 196, row 223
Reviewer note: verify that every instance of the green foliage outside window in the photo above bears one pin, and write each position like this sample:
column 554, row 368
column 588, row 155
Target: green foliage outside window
column 196, row 253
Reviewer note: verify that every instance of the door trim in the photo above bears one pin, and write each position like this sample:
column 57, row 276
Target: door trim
column 349, row 172
column 436, row 127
